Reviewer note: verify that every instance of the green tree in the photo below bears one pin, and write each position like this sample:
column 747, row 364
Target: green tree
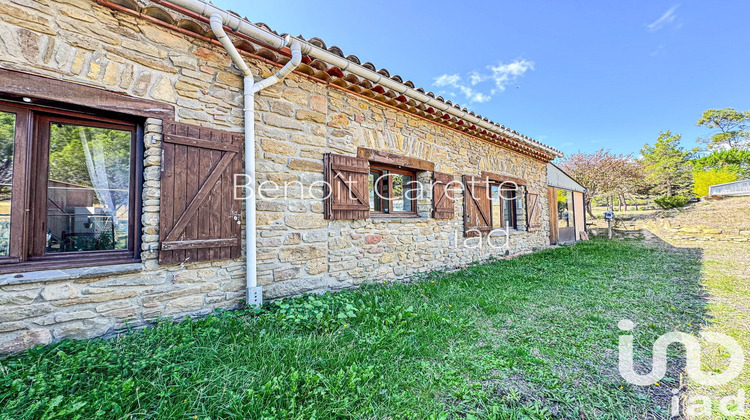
column 7, row 137
column 733, row 128
column 67, row 159
column 702, row 179
column 666, row 164
column 736, row 160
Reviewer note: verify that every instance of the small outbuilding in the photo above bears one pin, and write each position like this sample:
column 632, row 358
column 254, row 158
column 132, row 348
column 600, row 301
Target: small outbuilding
column 568, row 223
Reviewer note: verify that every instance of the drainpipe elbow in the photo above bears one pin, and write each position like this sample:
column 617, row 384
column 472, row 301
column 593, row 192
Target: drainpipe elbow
column 217, row 26
column 292, row 64
column 296, row 48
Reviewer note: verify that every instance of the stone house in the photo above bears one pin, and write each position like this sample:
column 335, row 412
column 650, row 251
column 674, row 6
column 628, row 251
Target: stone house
column 121, row 126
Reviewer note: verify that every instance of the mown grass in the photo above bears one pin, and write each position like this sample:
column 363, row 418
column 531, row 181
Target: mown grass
column 726, row 279
column 532, row 337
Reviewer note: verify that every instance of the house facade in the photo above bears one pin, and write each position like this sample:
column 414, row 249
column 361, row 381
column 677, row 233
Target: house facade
column 121, row 126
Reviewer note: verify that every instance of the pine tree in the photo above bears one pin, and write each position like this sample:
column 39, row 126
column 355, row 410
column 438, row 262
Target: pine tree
column 667, row 164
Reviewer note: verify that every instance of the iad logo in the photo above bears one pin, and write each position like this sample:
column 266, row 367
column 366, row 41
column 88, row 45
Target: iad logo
column 692, row 364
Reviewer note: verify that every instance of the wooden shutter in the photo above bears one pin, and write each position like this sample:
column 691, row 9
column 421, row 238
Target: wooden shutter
column 533, row 211
column 442, row 202
column 477, row 205
column 346, row 187
column 199, row 217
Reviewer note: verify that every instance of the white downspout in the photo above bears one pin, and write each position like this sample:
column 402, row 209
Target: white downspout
column 254, row 293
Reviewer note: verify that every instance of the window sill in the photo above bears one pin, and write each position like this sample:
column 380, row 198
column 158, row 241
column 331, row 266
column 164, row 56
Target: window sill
column 393, row 215
column 511, row 232
column 383, row 217
column 34, row 272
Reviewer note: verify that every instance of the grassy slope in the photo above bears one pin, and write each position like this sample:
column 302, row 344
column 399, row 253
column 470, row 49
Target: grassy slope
column 536, row 335
column 726, row 282
column 726, row 278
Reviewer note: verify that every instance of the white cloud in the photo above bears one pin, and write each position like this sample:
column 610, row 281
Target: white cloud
column 475, row 78
column 447, row 80
column 665, row 19
column 501, row 75
column 454, row 81
column 657, row 51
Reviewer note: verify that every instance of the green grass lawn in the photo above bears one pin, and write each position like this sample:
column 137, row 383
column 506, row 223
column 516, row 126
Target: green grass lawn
column 532, row 337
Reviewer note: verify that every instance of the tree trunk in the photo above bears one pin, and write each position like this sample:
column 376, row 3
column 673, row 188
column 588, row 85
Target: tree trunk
column 623, row 201
column 669, row 189
column 588, row 208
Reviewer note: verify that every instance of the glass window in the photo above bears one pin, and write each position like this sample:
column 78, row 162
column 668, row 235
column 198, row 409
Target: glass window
column 402, row 197
column 509, row 209
column 378, row 191
column 374, row 204
column 497, row 207
column 503, row 206
column 67, row 189
column 392, row 191
column 88, row 189
column 7, row 140
column 564, row 205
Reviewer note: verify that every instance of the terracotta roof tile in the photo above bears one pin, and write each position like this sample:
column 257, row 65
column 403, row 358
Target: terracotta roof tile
column 128, row 4
column 317, row 42
column 267, row 54
column 198, row 26
column 353, row 58
column 335, row 72
column 158, row 13
column 336, row 50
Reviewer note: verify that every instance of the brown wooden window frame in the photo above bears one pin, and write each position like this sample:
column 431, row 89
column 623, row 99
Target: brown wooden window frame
column 382, row 169
column 30, row 175
column 503, row 203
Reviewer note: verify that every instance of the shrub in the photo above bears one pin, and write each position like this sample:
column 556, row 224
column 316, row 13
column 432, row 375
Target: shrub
column 671, row 202
column 704, row 179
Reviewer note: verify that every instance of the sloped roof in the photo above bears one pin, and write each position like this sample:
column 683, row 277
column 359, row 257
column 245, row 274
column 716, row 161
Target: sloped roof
column 170, row 15
column 558, row 178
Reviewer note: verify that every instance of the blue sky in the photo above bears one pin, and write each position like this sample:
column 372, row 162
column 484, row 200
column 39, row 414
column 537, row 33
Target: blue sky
column 575, row 75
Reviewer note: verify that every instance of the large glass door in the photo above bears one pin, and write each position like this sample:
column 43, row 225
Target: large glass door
column 7, row 146
column 88, row 186
column 565, row 218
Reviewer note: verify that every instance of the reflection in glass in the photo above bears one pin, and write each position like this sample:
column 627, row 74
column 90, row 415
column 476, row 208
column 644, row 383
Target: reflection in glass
column 497, row 207
column 88, row 188
column 7, row 136
column 564, row 201
column 508, row 207
column 401, row 185
column 375, row 199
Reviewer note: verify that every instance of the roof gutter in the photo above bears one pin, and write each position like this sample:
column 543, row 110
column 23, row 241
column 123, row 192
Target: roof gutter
column 253, row 292
column 239, row 25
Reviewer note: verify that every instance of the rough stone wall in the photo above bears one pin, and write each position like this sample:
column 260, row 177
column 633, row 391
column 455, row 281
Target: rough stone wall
column 701, row 232
column 300, row 120
column 297, row 121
